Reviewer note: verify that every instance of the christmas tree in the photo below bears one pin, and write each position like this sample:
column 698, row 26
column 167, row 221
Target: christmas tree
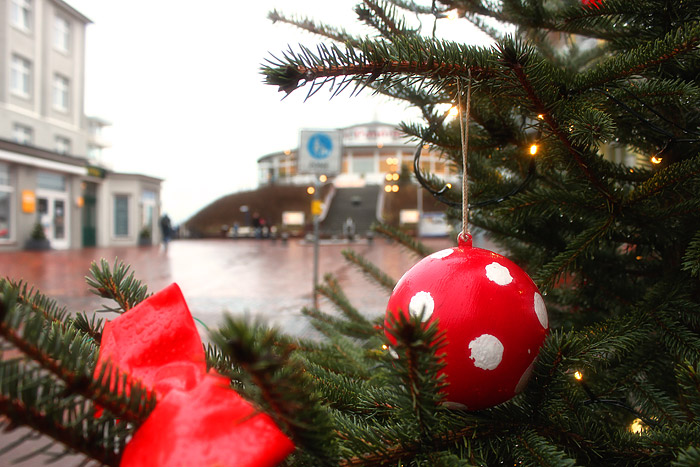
column 579, row 129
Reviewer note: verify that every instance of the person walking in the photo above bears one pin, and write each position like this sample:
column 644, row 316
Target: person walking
column 166, row 230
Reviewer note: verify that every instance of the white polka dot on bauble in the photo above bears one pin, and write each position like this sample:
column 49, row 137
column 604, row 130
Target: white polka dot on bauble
column 442, row 253
column 498, row 274
column 541, row 311
column 486, row 351
column 422, row 302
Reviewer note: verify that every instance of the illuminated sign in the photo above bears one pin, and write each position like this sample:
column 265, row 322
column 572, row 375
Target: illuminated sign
column 28, row 201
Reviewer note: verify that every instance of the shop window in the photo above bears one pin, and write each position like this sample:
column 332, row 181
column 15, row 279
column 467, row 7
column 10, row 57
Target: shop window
column 121, row 215
column 148, row 199
column 51, row 181
column 5, row 202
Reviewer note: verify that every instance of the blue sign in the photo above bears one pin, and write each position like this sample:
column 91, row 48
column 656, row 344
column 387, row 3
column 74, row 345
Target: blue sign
column 320, row 152
column 320, row 146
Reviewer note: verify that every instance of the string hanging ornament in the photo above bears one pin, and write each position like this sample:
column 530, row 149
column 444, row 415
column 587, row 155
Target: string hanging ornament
column 493, row 316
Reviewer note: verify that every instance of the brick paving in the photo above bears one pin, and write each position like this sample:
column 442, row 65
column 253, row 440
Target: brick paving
column 265, row 278
column 270, row 280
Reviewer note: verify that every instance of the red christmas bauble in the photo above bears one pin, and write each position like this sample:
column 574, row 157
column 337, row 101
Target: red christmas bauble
column 592, row 3
column 492, row 314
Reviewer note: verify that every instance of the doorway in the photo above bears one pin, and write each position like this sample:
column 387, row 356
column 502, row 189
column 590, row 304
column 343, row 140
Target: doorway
column 89, row 220
column 53, row 217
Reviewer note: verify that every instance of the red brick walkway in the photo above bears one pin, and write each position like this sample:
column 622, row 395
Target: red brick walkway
column 262, row 277
column 267, row 279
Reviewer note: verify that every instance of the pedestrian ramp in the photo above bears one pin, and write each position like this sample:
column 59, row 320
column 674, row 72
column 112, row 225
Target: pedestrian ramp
column 351, row 212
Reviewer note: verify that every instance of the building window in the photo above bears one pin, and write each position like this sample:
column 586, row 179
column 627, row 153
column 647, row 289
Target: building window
column 61, row 34
column 121, row 215
column 21, row 76
column 363, row 164
column 22, row 134
column 21, row 14
column 62, row 145
column 60, row 93
column 5, row 202
column 51, row 181
column 94, row 152
column 95, row 129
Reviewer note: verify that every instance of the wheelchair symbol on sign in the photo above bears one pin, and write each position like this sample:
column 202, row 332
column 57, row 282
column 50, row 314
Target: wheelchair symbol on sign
column 320, row 146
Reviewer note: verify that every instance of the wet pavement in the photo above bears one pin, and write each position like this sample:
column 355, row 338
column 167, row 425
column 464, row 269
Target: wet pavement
column 269, row 280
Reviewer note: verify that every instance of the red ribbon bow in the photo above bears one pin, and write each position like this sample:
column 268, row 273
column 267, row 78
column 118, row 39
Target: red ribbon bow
column 198, row 420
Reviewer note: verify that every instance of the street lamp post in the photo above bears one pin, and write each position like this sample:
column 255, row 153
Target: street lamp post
column 316, row 210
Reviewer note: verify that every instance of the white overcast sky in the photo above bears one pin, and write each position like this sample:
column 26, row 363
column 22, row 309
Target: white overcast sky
column 180, row 83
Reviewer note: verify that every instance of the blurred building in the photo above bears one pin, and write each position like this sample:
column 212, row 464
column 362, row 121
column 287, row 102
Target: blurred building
column 51, row 169
column 370, row 151
column 374, row 175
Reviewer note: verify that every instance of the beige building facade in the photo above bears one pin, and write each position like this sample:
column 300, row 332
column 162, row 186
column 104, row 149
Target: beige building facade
column 52, row 176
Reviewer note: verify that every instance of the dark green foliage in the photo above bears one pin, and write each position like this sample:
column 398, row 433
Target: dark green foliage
column 613, row 244
column 47, row 383
column 611, row 239
column 278, row 382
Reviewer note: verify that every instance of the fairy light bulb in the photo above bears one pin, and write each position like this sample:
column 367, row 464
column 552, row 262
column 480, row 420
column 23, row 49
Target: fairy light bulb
column 453, row 112
column 637, row 426
column 656, row 159
column 311, row 190
column 533, row 149
column 578, row 375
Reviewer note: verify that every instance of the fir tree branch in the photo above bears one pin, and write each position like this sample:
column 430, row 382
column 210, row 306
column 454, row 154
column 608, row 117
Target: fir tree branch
column 52, row 313
column 329, row 325
column 333, row 290
column 280, row 384
column 515, row 57
column 646, row 56
column 35, row 300
column 581, row 244
column 311, row 26
column 687, row 457
column 47, row 425
column 417, row 248
column 373, row 59
column 71, row 356
column 691, row 259
column 370, row 270
column 383, row 17
column 536, row 450
column 91, row 326
column 669, row 177
column 115, row 284
column 418, row 367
